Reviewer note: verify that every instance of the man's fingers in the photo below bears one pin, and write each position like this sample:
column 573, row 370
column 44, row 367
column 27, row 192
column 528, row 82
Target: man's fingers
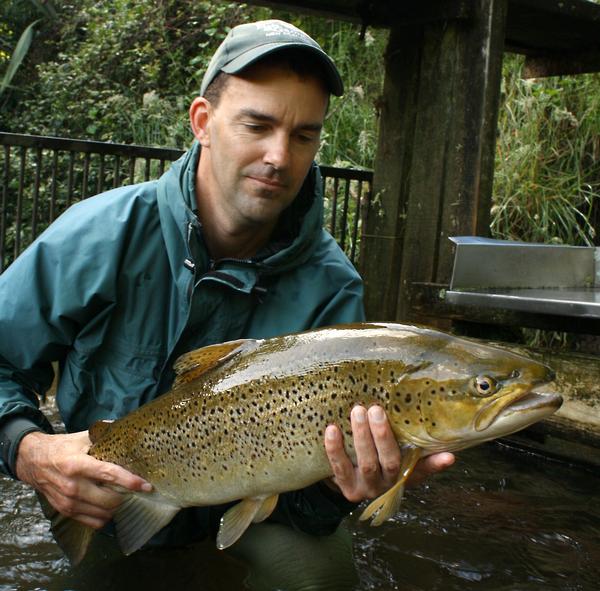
column 107, row 473
column 343, row 469
column 430, row 465
column 388, row 451
column 367, row 459
column 75, row 506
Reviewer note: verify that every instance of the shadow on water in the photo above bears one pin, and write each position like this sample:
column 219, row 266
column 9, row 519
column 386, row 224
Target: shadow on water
column 497, row 521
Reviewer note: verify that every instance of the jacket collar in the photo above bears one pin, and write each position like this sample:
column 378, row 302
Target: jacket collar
column 292, row 243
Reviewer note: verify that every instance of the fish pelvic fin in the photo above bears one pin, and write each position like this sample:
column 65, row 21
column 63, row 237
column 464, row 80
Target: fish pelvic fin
column 139, row 517
column 387, row 505
column 72, row 537
column 192, row 365
column 237, row 519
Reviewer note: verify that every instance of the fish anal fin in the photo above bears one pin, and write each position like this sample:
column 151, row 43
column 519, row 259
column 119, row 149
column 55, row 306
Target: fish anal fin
column 387, row 505
column 72, row 537
column 192, row 365
column 139, row 517
column 237, row 519
column 99, row 429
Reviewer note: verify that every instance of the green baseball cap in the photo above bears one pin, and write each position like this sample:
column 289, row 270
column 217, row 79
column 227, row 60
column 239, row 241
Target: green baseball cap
column 250, row 42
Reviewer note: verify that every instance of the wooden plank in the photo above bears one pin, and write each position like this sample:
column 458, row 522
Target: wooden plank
column 384, row 234
column 453, row 151
column 569, row 63
column 434, row 168
column 376, row 13
column 533, row 26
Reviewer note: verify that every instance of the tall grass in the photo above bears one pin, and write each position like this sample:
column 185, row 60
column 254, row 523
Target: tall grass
column 547, row 178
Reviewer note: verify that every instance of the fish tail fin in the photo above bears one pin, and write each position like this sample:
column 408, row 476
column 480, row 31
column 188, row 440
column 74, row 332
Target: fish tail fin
column 237, row 519
column 386, row 505
column 72, row 537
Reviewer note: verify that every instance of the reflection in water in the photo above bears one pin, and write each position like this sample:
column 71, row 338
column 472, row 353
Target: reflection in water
column 495, row 522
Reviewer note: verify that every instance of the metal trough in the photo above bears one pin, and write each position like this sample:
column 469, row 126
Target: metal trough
column 525, row 277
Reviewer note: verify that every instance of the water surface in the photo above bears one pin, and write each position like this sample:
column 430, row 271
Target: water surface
column 498, row 520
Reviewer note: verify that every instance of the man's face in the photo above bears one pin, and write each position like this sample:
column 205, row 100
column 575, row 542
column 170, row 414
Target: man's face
column 259, row 143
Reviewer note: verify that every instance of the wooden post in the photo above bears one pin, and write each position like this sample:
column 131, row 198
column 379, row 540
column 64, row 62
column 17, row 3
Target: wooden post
column 435, row 162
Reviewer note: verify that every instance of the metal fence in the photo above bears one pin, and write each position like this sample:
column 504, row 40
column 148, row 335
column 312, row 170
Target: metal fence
column 43, row 176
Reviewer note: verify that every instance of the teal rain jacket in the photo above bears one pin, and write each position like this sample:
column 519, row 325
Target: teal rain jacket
column 121, row 284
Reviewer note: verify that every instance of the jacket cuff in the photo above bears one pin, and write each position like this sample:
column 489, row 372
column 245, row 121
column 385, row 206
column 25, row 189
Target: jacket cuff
column 11, row 434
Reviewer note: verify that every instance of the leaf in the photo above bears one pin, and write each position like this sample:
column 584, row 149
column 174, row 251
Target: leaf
column 18, row 55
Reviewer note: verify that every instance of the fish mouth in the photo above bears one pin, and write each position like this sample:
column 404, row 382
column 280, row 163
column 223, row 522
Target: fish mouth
column 533, row 401
column 525, row 410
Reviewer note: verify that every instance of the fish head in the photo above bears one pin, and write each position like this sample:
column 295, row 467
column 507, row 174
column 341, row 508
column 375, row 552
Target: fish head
column 466, row 392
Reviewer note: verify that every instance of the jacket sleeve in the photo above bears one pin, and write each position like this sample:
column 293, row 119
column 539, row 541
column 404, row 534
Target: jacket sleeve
column 46, row 295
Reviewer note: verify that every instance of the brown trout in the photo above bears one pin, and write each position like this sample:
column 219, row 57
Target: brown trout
column 245, row 420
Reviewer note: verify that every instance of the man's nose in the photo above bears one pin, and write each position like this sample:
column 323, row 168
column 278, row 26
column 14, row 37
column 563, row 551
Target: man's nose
column 277, row 153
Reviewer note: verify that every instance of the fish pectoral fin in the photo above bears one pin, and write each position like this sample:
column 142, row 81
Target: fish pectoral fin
column 192, row 365
column 267, row 507
column 237, row 519
column 387, row 505
column 139, row 517
column 72, row 537
column 99, row 429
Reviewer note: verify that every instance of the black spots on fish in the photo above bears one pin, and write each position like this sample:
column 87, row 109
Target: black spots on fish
column 408, row 398
column 397, row 408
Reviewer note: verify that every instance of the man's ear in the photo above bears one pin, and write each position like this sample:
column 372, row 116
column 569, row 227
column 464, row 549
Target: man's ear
column 200, row 114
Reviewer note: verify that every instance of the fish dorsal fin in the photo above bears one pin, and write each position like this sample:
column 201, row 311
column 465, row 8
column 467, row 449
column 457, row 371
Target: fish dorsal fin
column 237, row 519
column 99, row 429
column 192, row 365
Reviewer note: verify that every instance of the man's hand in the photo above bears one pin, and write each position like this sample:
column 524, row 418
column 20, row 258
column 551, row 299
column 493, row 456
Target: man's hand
column 74, row 482
column 378, row 457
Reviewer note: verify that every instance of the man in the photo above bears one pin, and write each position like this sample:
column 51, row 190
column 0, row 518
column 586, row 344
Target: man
column 227, row 244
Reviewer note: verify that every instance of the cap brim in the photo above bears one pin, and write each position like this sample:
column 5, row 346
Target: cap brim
column 238, row 64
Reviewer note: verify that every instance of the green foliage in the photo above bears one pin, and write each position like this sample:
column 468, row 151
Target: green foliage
column 17, row 56
column 547, row 180
column 117, row 64
column 126, row 71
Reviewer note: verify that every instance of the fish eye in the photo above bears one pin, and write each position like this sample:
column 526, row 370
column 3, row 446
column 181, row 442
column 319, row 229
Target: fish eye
column 484, row 385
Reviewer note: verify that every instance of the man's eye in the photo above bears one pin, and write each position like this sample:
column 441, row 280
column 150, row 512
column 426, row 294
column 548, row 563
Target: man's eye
column 306, row 139
column 254, row 127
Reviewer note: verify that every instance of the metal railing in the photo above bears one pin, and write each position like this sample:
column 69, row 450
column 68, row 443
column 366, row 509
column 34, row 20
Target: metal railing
column 43, row 176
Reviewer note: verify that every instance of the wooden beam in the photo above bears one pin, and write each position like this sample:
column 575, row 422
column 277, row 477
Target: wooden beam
column 568, row 63
column 434, row 170
column 376, row 13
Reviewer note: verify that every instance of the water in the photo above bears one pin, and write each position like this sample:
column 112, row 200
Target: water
column 497, row 520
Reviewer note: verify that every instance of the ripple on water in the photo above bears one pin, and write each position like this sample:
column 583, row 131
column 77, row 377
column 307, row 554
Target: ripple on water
column 494, row 522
